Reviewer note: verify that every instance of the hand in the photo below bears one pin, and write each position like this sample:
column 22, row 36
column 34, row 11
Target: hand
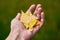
column 19, row 32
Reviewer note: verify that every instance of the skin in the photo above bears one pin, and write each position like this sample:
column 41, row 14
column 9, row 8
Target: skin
column 19, row 32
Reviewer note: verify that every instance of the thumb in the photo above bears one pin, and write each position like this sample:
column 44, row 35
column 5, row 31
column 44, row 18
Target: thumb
column 18, row 16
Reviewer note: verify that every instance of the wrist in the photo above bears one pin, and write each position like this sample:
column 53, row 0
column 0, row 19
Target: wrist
column 9, row 36
column 12, row 36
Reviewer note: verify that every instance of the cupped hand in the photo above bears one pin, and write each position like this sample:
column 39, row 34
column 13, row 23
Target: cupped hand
column 19, row 31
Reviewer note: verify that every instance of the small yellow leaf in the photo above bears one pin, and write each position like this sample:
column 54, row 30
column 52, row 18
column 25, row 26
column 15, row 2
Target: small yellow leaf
column 28, row 20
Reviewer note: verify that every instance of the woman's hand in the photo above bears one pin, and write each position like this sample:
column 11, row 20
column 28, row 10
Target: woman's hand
column 19, row 32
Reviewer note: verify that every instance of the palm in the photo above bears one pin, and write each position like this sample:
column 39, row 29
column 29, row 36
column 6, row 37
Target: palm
column 26, row 34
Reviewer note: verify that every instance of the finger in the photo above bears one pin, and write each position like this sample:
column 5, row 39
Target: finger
column 42, row 18
column 38, row 6
column 38, row 11
column 41, row 23
column 18, row 16
column 31, row 8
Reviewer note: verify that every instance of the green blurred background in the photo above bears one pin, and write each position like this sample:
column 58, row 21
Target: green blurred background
column 51, row 27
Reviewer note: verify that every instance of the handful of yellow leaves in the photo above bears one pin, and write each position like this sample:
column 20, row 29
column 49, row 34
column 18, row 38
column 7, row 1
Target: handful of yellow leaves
column 29, row 20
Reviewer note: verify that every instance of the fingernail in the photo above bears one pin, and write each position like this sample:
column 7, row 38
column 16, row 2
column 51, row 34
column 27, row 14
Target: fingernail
column 39, row 9
column 42, row 13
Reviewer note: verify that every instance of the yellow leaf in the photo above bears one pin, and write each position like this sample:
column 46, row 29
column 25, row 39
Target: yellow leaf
column 28, row 20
